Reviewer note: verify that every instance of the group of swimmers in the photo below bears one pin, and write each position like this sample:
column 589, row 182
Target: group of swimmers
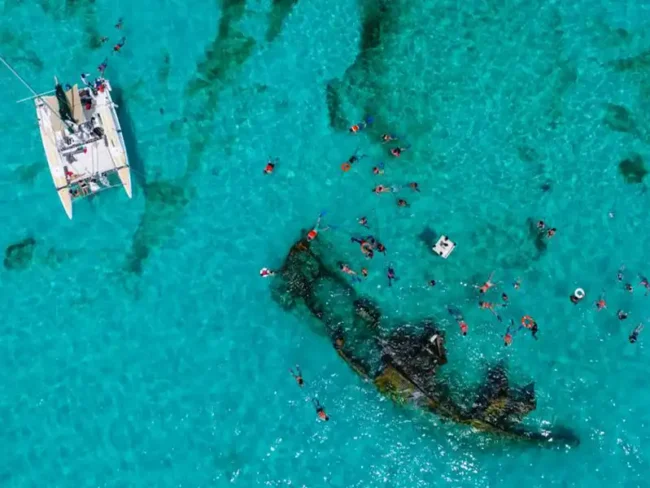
column 320, row 410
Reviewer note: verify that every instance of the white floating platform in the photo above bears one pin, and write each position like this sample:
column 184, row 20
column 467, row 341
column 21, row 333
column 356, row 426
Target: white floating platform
column 444, row 247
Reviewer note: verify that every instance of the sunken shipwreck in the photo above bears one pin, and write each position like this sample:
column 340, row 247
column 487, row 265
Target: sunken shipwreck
column 402, row 363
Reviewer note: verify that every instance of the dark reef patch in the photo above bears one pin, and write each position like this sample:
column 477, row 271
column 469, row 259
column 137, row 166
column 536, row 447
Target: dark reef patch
column 19, row 255
column 280, row 10
column 619, row 118
column 633, row 169
column 164, row 203
column 633, row 63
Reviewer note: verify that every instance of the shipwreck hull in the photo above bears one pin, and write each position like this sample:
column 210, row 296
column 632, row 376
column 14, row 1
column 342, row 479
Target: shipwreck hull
column 402, row 364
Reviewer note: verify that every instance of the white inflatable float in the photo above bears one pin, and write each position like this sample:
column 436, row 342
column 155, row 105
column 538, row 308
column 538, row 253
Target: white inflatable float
column 444, row 247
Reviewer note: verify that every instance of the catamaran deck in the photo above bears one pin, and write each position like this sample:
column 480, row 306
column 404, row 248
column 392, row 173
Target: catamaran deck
column 83, row 156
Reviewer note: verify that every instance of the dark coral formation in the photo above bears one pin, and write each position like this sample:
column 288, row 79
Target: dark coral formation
column 403, row 363
column 20, row 254
column 619, row 118
column 633, row 169
column 280, row 9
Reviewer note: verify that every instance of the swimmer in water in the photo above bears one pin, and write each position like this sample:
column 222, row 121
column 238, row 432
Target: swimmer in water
column 534, row 330
column 517, row 284
column 379, row 169
column 414, row 186
column 551, row 232
column 629, row 287
column 619, row 273
column 388, row 138
column 298, row 376
column 270, row 166
column 487, row 285
column 266, row 273
column 622, row 315
column 381, row 248
column 460, row 320
column 120, row 23
column 402, row 203
column 432, row 283
column 103, row 40
column 644, row 283
column 541, row 225
column 390, row 274
column 102, row 67
column 507, row 339
column 490, row 306
column 364, row 272
column 382, row 189
column 320, row 411
column 635, row 333
column 361, row 125
column 363, row 221
column 119, row 45
column 600, row 304
column 397, row 151
column 348, row 271
column 312, row 234
column 504, row 297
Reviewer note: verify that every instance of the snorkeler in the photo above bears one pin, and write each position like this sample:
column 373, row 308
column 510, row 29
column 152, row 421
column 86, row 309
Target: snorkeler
column 361, row 125
column 390, row 274
column 635, row 333
column 364, row 272
column 363, row 221
column 266, row 273
column 516, row 284
column 312, row 234
column 459, row 319
column 487, row 285
column 551, row 232
column 541, row 225
column 507, row 338
column 102, row 67
column 388, row 138
column 397, row 151
column 381, row 248
column 119, row 45
column 619, row 273
column 347, row 270
column 103, row 40
column 414, row 186
column 622, row 315
column 120, row 23
column 402, row 203
column 504, row 297
column 490, row 306
column 601, row 303
column 379, row 169
column 320, row 411
column 644, row 283
column 298, row 376
column 382, row 189
column 432, row 283
column 270, row 166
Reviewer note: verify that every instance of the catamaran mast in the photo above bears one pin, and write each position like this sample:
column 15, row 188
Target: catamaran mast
column 36, row 95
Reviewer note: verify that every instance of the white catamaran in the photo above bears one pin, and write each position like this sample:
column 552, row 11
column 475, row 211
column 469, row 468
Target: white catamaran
column 82, row 138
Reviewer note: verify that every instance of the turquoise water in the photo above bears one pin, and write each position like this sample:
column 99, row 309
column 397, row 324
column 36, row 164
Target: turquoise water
column 140, row 348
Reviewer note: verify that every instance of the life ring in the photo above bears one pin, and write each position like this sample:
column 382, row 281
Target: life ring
column 346, row 166
column 527, row 321
column 579, row 293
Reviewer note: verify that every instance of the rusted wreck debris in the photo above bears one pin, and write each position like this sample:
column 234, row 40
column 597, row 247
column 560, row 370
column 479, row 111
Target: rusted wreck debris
column 402, row 363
